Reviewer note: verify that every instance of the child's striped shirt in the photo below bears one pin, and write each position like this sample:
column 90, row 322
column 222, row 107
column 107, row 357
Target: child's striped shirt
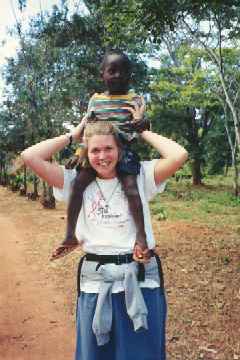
column 111, row 107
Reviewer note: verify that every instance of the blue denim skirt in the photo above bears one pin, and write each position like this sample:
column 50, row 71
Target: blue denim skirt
column 125, row 343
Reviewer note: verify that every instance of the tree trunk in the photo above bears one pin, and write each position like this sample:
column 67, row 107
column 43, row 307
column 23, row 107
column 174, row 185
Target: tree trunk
column 51, row 198
column 35, row 187
column 47, row 199
column 233, row 110
column 44, row 193
column 6, row 177
column 25, row 179
column 217, row 59
column 1, row 175
column 226, row 169
column 196, row 172
column 236, row 180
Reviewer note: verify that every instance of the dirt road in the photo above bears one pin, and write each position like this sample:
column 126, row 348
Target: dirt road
column 34, row 323
column 37, row 297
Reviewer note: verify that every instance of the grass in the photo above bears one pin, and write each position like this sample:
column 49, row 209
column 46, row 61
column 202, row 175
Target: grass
column 199, row 243
column 213, row 203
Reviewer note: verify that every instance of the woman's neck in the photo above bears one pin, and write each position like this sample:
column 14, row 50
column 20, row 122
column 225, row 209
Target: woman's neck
column 106, row 177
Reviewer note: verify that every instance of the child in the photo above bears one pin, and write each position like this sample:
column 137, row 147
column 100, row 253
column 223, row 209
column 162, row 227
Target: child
column 114, row 105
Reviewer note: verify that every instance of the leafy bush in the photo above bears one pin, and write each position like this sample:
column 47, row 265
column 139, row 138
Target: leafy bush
column 159, row 211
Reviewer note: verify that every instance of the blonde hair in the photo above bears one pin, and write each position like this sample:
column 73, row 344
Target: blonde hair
column 101, row 127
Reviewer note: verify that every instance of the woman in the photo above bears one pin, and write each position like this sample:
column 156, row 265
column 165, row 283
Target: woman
column 121, row 308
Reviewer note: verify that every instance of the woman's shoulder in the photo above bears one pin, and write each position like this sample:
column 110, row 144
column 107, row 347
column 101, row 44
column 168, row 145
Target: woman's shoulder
column 146, row 179
column 64, row 193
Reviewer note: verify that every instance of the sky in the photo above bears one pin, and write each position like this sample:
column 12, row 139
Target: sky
column 9, row 10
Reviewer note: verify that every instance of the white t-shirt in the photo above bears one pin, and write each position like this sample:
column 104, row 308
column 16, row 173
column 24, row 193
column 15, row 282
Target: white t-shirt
column 105, row 223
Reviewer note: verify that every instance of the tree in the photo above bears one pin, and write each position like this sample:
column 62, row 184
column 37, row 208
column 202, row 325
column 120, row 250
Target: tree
column 210, row 25
column 183, row 101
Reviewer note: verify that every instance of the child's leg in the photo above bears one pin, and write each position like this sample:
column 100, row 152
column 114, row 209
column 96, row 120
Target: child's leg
column 84, row 177
column 82, row 180
column 129, row 183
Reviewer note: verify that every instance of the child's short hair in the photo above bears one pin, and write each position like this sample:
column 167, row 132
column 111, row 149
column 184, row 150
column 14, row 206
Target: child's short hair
column 125, row 59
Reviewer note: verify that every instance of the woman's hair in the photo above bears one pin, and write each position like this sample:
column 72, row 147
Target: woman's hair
column 125, row 60
column 100, row 127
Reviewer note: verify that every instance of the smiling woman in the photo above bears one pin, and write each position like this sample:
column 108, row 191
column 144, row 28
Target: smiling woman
column 103, row 149
column 119, row 313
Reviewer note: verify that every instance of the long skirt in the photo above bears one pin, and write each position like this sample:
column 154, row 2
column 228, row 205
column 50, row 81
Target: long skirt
column 125, row 343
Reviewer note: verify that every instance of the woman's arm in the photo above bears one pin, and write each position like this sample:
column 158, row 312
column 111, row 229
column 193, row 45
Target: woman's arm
column 173, row 155
column 37, row 156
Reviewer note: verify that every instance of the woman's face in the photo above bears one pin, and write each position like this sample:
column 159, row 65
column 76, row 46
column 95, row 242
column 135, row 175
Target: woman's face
column 103, row 155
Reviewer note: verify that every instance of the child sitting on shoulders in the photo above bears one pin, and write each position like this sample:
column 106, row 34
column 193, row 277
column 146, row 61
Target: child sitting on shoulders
column 114, row 105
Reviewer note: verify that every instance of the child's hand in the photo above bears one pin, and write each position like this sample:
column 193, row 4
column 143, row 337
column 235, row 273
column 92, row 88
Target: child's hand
column 136, row 126
column 140, row 255
column 137, row 110
column 139, row 123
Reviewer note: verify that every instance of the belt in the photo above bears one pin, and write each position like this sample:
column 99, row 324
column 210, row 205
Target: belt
column 141, row 269
column 118, row 260
column 110, row 259
column 113, row 259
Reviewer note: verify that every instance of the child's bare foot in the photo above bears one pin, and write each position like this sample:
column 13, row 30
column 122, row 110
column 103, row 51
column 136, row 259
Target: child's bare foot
column 68, row 245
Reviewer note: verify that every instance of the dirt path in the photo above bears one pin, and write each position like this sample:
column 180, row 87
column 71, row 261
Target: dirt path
column 34, row 321
column 37, row 297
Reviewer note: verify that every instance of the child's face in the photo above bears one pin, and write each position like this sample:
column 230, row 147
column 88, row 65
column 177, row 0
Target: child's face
column 115, row 75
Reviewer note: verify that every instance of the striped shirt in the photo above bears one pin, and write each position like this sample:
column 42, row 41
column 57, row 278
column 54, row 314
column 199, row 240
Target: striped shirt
column 110, row 107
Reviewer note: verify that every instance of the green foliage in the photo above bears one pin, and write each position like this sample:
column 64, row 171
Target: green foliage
column 218, row 151
column 142, row 19
column 53, row 76
column 184, row 173
column 183, row 105
column 211, row 30
column 17, row 180
column 158, row 211
column 213, row 204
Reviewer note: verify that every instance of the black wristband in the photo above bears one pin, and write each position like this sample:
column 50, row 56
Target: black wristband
column 70, row 137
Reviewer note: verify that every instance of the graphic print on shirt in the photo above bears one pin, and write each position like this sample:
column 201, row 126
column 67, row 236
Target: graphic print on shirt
column 114, row 212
